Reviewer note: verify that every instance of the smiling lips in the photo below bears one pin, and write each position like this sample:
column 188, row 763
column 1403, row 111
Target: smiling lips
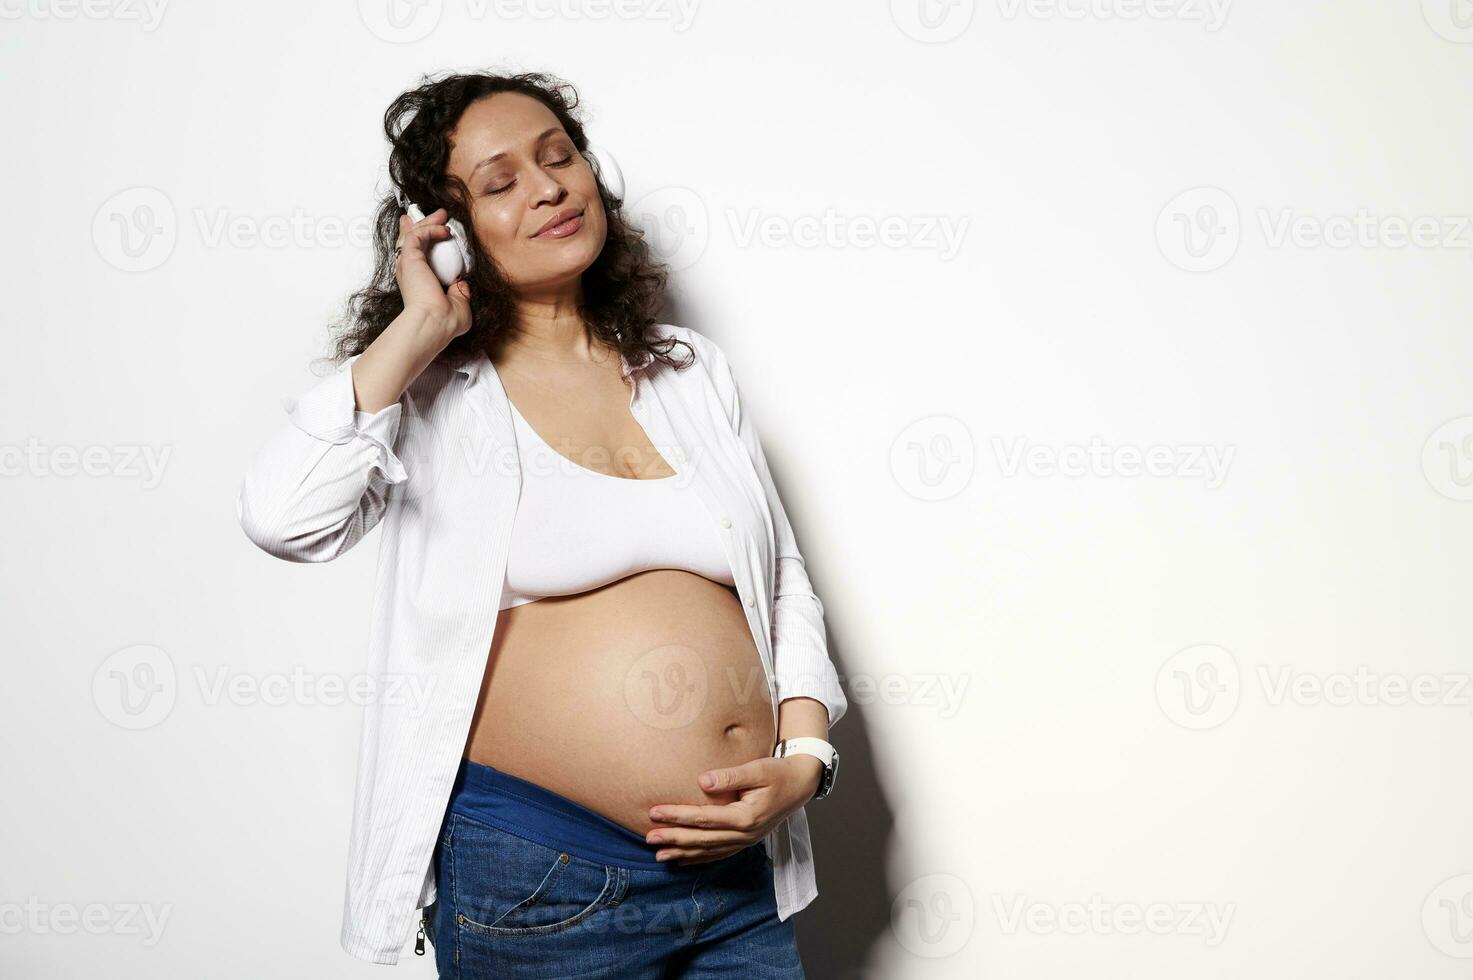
column 562, row 224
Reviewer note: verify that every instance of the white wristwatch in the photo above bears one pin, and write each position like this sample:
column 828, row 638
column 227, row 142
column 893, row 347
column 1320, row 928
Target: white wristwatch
column 820, row 750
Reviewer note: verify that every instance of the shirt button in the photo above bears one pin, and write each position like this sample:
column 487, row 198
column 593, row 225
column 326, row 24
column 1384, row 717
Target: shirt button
column 751, row 602
column 726, row 522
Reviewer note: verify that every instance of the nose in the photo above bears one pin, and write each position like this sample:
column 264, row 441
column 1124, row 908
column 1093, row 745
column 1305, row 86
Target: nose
column 550, row 192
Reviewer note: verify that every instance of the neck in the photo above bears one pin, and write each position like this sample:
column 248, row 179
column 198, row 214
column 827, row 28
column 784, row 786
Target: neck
column 550, row 329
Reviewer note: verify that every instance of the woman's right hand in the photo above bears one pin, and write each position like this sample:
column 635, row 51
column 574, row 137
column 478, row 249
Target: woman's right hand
column 419, row 286
column 433, row 316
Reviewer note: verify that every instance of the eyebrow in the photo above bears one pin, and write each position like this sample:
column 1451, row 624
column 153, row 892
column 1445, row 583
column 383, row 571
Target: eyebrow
column 497, row 156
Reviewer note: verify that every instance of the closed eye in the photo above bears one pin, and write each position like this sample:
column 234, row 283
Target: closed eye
column 506, row 187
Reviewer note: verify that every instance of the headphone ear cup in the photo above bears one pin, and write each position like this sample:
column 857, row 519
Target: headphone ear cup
column 450, row 259
column 462, row 245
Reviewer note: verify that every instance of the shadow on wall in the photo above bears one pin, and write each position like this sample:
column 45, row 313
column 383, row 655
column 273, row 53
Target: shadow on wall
column 851, row 840
column 851, row 829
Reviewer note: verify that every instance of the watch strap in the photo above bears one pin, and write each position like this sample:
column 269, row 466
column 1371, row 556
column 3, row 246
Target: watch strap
column 820, row 750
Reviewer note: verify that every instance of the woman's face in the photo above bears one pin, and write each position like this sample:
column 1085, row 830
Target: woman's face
column 522, row 170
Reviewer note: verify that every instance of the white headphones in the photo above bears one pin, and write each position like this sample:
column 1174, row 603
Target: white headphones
column 451, row 258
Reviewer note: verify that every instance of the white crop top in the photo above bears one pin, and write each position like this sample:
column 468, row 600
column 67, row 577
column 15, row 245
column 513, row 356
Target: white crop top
column 577, row 529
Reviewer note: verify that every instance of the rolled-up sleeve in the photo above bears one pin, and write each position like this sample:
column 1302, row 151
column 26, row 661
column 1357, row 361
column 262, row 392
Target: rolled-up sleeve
column 320, row 483
column 800, row 651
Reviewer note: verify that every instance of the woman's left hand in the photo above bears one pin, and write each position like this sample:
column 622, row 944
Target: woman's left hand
column 768, row 790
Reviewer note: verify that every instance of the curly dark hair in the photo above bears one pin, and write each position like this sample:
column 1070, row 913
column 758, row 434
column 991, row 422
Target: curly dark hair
column 623, row 290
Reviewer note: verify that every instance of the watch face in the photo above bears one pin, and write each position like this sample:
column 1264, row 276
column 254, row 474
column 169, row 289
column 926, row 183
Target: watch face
column 830, row 773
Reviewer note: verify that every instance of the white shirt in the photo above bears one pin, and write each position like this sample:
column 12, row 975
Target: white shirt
column 440, row 470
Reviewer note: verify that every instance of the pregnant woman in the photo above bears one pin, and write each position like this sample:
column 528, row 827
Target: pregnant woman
column 602, row 682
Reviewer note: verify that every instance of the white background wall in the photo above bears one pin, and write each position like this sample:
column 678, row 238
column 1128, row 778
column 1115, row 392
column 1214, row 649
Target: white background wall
column 1154, row 706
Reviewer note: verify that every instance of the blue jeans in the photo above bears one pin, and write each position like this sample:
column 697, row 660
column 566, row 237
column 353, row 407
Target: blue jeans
column 532, row 884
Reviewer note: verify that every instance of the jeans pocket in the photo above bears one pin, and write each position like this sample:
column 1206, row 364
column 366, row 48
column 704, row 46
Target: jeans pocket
column 506, row 885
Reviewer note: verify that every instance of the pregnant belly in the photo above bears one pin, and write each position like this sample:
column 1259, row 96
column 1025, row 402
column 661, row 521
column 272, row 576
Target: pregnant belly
column 618, row 698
